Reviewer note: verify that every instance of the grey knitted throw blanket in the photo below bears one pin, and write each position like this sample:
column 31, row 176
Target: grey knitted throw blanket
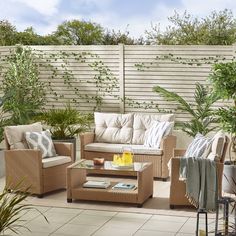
column 200, row 176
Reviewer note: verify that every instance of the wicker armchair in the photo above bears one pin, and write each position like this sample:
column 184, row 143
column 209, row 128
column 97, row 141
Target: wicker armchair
column 27, row 167
column 177, row 187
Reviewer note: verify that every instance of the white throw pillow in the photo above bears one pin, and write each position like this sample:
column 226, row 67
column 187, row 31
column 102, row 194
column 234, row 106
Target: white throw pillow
column 157, row 131
column 199, row 147
column 41, row 141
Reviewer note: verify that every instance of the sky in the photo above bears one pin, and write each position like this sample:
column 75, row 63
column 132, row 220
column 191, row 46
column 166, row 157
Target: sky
column 135, row 16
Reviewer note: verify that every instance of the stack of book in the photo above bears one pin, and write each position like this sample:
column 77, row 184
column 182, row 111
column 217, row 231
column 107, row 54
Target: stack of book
column 124, row 186
column 96, row 184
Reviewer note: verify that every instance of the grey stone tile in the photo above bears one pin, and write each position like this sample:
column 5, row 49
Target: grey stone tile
column 99, row 213
column 153, row 233
column 164, row 226
column 115, row 231
column 78, row 230
column 96, row 220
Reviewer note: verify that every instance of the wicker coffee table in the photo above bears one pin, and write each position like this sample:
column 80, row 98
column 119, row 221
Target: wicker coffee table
column 77, row 176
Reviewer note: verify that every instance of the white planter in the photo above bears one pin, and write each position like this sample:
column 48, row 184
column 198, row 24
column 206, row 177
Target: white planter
column 229, row 179
column 2, row 164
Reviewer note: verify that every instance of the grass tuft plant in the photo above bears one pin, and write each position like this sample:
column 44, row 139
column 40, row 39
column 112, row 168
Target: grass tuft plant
column 11, row 209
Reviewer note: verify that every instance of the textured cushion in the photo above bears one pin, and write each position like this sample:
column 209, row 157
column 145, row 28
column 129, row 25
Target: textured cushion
column 143, row 122
column 113, row 128
column 155, row 134
column 16, row 134
column 117, row 148
column 217, row 146
column 55, row 161
column 41, row 141
column 198, row 147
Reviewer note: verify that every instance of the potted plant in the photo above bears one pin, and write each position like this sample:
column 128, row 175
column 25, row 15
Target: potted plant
column 65, row 124
column 223, row 79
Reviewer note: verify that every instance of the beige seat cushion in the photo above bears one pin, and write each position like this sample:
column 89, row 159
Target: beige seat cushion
column 55, row 161
column 142, row 124
column 113, row 128
column 117, row 148
column 16, row 134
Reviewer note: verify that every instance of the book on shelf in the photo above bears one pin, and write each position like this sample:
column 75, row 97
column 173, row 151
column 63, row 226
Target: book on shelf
column 96, row 184
column 124, row 186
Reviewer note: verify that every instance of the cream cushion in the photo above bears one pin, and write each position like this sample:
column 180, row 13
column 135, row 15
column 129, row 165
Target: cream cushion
column 117, row 148
column 217, row 146
column 113, row 128
column 16, row 134
column 55, row 161
column 143, row 123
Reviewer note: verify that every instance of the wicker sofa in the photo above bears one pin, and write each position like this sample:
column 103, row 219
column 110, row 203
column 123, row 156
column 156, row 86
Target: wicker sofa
column 114, row 131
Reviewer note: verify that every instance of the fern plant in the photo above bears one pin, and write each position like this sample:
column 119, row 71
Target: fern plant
column 201, row 112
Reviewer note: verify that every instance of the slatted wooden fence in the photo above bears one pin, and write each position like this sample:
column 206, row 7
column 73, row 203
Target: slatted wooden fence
column 136, row 69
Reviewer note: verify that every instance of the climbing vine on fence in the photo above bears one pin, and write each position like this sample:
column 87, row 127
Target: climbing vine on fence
column 105, row 82
column 145, row 66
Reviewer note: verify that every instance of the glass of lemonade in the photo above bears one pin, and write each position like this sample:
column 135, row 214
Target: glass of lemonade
column 127, row 155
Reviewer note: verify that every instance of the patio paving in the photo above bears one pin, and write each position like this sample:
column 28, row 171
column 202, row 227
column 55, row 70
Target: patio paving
column 69, row 221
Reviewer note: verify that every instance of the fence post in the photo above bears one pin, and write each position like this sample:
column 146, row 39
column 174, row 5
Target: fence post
column 121, row 78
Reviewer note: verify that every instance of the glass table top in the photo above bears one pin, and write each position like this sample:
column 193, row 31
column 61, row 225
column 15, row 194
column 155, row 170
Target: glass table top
column 108, row 165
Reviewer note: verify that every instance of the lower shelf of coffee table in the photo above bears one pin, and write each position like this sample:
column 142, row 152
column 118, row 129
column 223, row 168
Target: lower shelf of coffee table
column 108, row 194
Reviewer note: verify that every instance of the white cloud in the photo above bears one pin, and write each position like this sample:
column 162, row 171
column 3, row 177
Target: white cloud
column 203, row 8
column 44, row 7
column 106, row 14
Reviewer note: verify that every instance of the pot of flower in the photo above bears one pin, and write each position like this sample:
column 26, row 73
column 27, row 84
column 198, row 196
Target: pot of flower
column 65, row 124
column 223, row 78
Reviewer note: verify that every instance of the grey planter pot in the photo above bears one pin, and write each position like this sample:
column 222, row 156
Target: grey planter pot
column 2, row 164
column 229, row 176
column 69, row 140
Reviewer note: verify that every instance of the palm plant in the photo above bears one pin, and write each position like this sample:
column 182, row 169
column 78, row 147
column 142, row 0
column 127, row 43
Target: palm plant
column 201, row 112
column 66, row 123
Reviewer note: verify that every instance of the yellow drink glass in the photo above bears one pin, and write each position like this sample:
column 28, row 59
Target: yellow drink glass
column 127, row 155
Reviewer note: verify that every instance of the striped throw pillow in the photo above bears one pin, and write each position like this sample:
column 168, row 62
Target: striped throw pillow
column 199, row 146
column 157, row 131
column 41, row 141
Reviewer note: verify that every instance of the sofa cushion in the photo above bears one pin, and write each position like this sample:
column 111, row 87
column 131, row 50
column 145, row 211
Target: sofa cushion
column 16, row 134
column 113, row 128
column 55, row 161
column 41, row 141
column 199, row 147
column 155, row 134
column 117, row 148
column 143, row 122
